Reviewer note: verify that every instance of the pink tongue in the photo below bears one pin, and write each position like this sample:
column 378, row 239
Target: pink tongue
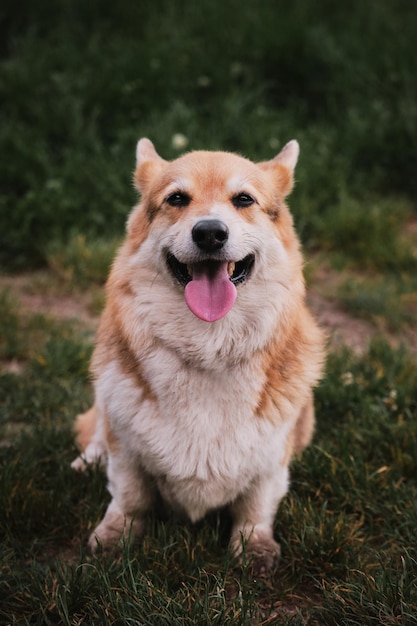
column 210, row 294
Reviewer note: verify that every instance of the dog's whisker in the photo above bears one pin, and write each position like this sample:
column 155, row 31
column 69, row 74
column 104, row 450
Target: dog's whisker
column 157, row 274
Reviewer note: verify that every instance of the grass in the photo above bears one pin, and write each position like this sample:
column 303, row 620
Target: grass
column 347, row 529
column 81, row 262
column 79, row 84
column 388, row 301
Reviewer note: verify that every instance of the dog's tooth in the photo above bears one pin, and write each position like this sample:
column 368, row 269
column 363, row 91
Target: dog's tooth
column 231, row 268
column 190, row 269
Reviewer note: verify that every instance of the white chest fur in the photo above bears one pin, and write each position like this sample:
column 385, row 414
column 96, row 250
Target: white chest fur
column 200, row 439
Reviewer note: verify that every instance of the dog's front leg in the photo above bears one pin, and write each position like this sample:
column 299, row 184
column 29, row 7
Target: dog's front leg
column 132, row 493
column 253, row 512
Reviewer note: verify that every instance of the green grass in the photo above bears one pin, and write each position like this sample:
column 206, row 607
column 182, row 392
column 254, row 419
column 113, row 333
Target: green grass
column 81, row 262
column 389, row 301
column 369, row 235
column 347, row 529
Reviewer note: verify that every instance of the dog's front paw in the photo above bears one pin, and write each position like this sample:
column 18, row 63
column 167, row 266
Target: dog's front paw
column 103, row 541
column 262, row 556
column 260, row 553
column 108, row 534
column 114, row 530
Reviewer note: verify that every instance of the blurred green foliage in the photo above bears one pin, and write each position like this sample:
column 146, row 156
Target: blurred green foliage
column 80, row 82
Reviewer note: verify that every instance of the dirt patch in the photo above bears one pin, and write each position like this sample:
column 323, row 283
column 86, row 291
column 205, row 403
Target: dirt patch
column 64, row 307
column 39, row 292
column 341, row 328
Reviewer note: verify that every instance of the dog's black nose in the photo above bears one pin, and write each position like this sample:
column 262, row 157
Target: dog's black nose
column 210, row 235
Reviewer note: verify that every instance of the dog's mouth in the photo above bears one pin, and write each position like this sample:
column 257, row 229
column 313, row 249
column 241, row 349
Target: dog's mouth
column 210, row 286
column 237, row 272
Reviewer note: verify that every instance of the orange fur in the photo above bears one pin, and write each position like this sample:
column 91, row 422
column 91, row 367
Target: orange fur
column 85, row 426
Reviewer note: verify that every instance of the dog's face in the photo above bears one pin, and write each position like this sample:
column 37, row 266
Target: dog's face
column 211, row 223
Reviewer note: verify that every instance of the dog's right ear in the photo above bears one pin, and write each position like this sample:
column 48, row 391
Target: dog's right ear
column 148, row 163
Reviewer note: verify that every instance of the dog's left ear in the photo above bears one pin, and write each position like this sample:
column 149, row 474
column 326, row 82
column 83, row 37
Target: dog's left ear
column 148, row 163
column 282, row 166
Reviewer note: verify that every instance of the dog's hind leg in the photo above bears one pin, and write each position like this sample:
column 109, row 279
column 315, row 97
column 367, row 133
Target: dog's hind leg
column 304, row 427
column 90, row 437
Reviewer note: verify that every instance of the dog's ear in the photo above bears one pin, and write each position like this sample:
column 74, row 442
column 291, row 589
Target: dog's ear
column 282, row 166
column 288, row 155
column 148, row 163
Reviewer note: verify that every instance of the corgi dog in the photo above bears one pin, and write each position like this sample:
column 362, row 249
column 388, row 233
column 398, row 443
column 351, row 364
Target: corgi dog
column 206, row 354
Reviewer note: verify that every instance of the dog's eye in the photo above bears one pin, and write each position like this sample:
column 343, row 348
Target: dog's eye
column 242, row 200
column 178, row 199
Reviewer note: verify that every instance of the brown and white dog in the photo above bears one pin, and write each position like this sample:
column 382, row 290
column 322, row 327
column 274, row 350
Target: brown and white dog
column 206, row 354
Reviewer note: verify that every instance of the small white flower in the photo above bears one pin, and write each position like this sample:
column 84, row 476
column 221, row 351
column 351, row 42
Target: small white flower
column 274, row 143
column 179, row 141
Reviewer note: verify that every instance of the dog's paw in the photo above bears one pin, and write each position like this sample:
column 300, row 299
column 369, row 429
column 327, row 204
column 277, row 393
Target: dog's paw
column 104, row 543
column 94, row 454
column 79, row 464
column 262, row 557
column 259, row 553
column 108, row 535
column 115, row 530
